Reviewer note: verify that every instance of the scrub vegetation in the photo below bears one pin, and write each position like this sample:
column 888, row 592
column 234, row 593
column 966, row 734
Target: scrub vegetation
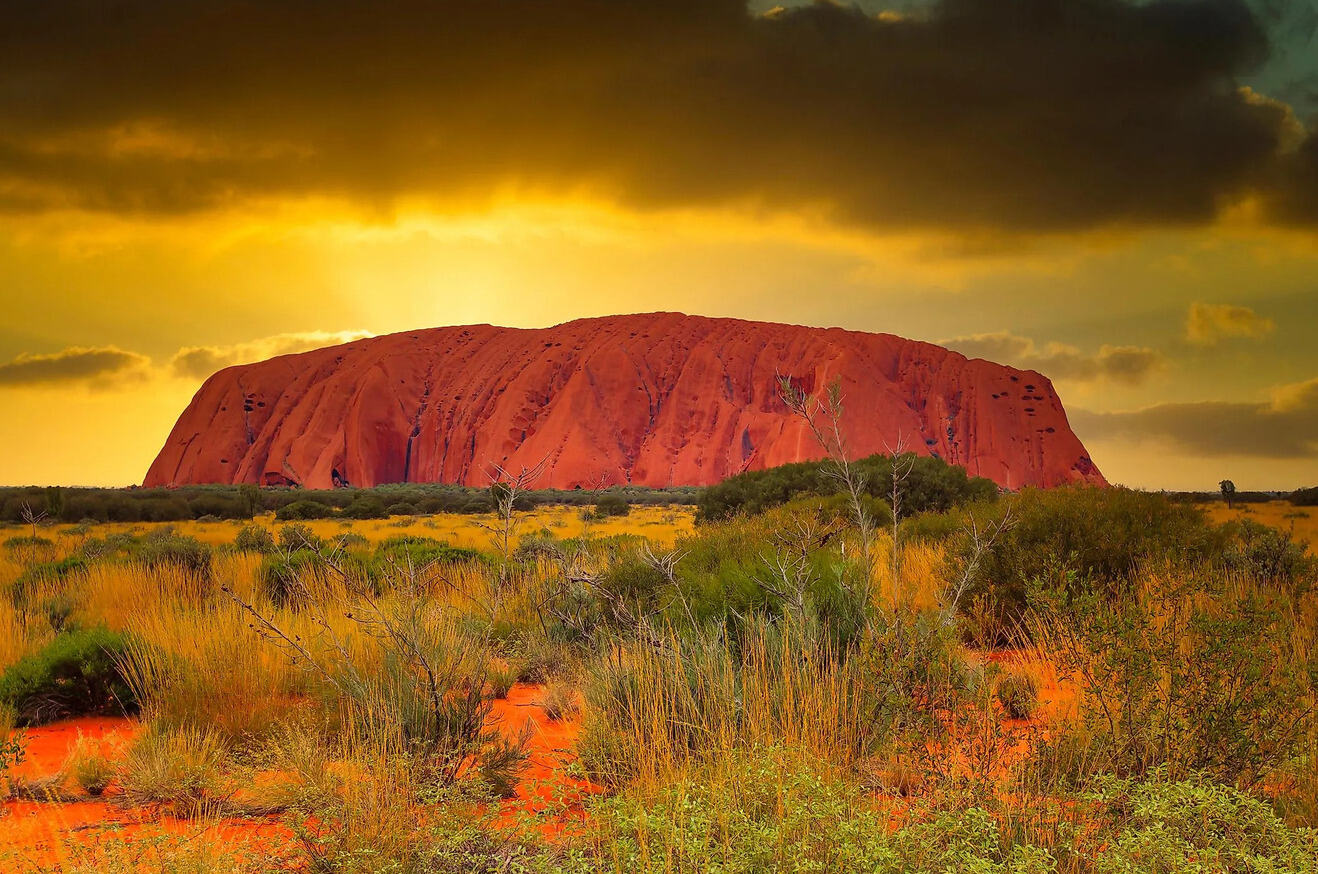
column 1075, row 680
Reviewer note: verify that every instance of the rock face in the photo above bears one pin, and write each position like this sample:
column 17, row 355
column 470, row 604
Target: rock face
column 656, row 400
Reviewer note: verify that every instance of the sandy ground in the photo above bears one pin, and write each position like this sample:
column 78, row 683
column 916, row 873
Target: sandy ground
column 66, row 835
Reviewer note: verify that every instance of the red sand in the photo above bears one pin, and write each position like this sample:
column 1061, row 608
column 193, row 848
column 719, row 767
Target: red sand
column 545, row 788
column 51, row 834
column 46, row 748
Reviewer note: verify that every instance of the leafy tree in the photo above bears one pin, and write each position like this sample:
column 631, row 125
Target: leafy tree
column 1228, row 491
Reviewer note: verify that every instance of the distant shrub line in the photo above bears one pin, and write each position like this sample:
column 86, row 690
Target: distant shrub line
column 186, row 503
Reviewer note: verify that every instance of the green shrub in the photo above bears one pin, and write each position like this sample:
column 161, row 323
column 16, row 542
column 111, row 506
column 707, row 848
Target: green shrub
column 305, row 509
column 180, row 768
column 254, row 538
column 500, row 680
column 611, row 505
column 12, row 747
column 931, row 485
column 23, row 593
column 1191, row 825
column 349, row 540
column 281, row 575
column 363, row 507
column 1304, row 497
column 89, row 767
column 1191, row 671
column 559, row 700
column 76, row 673
column 419, row 552
column 937, row 527
column 1083, row 537
column 1266, row 553
column 28, row 541
column 294, row 537
column 163, row 547
column 778, row 812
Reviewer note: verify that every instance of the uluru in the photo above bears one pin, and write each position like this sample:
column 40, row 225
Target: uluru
column 657, row 399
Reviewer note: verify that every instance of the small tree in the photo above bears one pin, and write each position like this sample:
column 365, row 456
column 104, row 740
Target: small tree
column 505, row 488
column 1228, row 491
column 32, row 517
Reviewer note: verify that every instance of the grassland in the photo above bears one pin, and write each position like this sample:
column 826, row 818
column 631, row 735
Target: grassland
column 1072, row 681
column 660, row 524
column 1300, row 522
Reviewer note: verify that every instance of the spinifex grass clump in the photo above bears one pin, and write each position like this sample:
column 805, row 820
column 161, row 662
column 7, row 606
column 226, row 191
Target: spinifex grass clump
column 399, row 669
column 1018, row 693
column 180, row 768
column 88, row 766
column 654, row 709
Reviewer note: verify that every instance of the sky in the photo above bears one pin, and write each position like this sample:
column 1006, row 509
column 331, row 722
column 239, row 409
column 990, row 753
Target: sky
column 1121, row 195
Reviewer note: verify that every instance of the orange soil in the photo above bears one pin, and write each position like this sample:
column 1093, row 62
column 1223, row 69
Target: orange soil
column 50, row 835
column 545, row 788
column 47, row 835
column 45, row 748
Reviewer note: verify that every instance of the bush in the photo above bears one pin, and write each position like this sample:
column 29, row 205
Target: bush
column 163, row 548
column 179, row 768
column 611, row 505
column 1191, row 671
column 304, row 510
column 363, row 507
column 12, row 748
column 295, row 537
column 559, row 700
column 24, row 590
column 1018, row 694
column 1266, row 553
column 77, row 673
column 254, row 538
column 1192, row 825
column 281, row 575
column 932, row 485
column 418, row 552
column 1084, row 538
column 500, row 679
column 89, row 767
column 1304, row 497
column 349, row 540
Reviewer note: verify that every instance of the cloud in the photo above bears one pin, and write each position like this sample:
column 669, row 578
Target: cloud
column 1207, row 323
column 105, row 366
column 1286, row 427
column 95, row 366
column 201, row 361
column 1022, row 116
column 1131, row 365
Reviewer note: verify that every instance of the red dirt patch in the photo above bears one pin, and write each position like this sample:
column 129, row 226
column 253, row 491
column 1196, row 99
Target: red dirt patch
column 51, row 835
column 545, row 789
column 47, row 747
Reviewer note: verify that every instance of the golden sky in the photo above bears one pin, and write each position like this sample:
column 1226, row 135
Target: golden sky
column 1122, row 196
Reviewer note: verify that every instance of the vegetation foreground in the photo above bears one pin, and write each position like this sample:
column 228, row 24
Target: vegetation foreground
column 890, row 668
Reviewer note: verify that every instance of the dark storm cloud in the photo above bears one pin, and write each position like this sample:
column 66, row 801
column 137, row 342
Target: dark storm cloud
column 1020, row 114
column 97, row 366
column 1285, row 428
